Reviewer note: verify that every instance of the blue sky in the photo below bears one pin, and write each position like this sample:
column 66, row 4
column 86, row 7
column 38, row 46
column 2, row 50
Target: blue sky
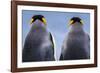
column 57, row 24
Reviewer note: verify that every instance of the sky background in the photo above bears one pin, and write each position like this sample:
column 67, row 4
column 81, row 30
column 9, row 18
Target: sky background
column 57, row 24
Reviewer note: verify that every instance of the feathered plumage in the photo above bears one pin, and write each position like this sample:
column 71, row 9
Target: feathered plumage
column 77, row 42
column 38, row 44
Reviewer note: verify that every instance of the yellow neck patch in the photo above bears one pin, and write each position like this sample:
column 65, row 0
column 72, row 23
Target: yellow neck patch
column 71, row 22
column 31, row 21
column 44, row 21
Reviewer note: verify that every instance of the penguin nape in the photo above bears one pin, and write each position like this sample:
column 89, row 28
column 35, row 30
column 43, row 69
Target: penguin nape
column 38, row 45
column 76, row 44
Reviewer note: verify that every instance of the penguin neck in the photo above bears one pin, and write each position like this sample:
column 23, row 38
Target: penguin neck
column 38, row 25
column 76, row 27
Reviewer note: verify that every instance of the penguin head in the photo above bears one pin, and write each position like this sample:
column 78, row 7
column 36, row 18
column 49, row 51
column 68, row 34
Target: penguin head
column 75, row 19
column 38, row 18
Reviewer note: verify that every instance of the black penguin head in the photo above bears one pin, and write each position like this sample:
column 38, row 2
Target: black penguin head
column 75, row 19
column 38, row 17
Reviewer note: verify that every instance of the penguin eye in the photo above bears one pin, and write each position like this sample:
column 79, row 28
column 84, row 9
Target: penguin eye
column 31, row 21
column 44, row 21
